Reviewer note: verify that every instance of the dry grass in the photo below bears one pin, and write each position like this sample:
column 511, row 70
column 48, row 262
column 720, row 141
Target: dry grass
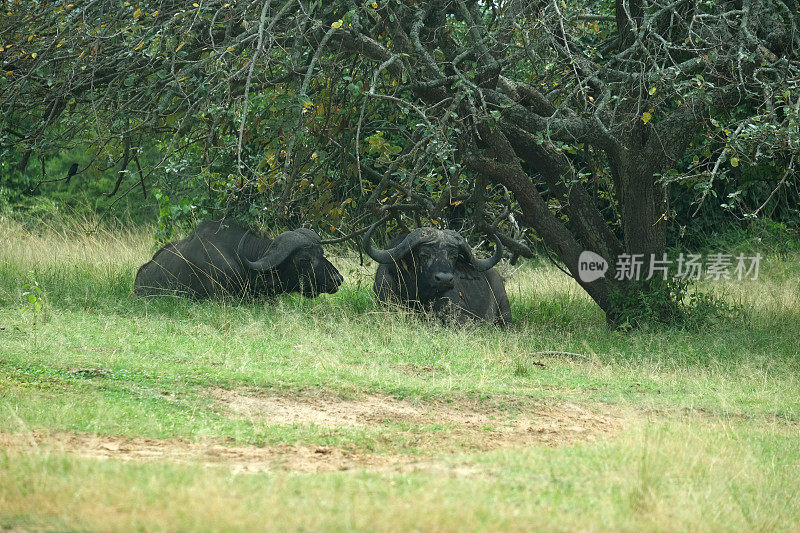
column 78, row 243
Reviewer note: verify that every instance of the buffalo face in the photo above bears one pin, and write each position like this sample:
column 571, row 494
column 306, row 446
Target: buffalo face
column 435, row 265
column 308, row 271
column 429, row 259
column 294, row 262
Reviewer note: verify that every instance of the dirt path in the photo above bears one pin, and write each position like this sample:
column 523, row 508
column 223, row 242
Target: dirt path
column 460, row 427
column 482, row 427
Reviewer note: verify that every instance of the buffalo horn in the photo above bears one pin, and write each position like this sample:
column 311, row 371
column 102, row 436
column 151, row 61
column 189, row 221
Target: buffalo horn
column 482, row 265
column 282, row 247
column 392, row 255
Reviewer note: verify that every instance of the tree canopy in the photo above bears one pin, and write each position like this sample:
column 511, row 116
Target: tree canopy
column 561, row 121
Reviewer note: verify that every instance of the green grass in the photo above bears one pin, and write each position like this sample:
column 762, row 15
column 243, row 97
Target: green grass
column 708, row 417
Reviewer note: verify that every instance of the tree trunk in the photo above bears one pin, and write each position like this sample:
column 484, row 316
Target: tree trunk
column 644, row 220
column 645, row 210
column 644, row 207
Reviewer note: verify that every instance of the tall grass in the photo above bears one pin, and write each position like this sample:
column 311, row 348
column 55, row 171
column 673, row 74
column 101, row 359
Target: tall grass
column 72, row 259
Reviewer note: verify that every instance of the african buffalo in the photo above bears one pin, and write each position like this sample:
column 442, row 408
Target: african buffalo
column 220, row 258
column 435, row 269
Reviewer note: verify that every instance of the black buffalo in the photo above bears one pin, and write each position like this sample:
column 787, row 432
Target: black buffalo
column 435, row 270
column 222, row 259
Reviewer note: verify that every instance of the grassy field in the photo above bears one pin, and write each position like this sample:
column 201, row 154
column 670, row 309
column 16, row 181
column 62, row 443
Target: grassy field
column 121, row 413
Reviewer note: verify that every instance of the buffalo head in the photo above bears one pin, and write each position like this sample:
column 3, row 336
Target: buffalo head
column 431, row 256
column 294, row 262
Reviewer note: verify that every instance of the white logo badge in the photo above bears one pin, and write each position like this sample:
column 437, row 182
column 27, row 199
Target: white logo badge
column 591, row 266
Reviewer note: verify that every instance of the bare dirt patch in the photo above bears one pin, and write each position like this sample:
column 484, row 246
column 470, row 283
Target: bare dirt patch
column 206, row 452
column 435, row 430
column 466, row 424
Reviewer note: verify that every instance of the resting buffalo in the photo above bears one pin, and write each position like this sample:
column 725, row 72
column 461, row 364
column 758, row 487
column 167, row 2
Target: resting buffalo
column 435, row 269
column 220, row 258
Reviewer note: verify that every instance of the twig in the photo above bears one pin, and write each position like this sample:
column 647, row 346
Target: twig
column 141, row 175
column 245, row 100
column 354, row 234
column 126, row 143
column 390, row 210
column 41, row 182
column 789, row 170
column 555, row 353
column 555, row 263
column 601, row 18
